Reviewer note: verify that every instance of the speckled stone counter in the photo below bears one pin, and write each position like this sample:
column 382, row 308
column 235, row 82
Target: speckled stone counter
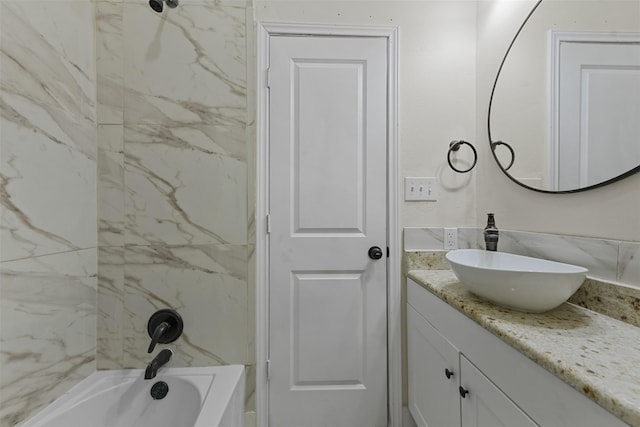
column 595, row 354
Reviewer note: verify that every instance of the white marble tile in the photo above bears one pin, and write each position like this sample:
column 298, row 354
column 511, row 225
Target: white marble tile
column 110, row 343
column 251, row 182
column 469, row 238
column 50, row 195
column 110, row 62
column 599, row 256
column 111, row 138
column 110, row 185
column 432, row 238
column 180, row 191
column 238, row 3
column 207, row 285
column 250, row 388
column 47, row 61
column 47, row 329
column 629, row 264
column 251, row 138
column 187, row 66
column 423, row 238
column 251, row 303
column 45, row 1
column 47, row 129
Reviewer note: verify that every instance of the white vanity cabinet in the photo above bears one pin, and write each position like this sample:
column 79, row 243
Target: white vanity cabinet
column 445, row 389
column 484, row 405
column 433, row 372
column 448, row 354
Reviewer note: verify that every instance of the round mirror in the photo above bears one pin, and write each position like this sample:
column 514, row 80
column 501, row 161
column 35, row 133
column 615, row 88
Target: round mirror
column 564, row 114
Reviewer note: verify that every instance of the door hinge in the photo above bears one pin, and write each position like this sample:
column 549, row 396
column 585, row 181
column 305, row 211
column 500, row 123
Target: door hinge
column 268, row 370
column 268, row 77
column 268, row 223
column 387, row 251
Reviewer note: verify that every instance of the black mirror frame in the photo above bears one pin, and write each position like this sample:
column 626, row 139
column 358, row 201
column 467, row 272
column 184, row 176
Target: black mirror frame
column 491, row 145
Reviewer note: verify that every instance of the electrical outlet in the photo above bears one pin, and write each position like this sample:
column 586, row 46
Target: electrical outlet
column 451, row 238
column 420, row 189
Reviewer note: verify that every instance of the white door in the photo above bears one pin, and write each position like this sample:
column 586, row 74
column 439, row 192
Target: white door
column 327, row 208
column 599, row 106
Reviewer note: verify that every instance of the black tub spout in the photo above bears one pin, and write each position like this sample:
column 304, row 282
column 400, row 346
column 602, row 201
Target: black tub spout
column 160, row 360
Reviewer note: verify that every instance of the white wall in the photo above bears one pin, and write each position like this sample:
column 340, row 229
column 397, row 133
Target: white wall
column 609, row 212
column 437, row 88
column 444, row 95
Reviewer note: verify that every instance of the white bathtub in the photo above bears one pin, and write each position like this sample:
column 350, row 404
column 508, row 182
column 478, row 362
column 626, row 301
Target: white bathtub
column 196, row 397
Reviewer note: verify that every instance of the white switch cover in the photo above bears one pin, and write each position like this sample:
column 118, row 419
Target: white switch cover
column 420, row 189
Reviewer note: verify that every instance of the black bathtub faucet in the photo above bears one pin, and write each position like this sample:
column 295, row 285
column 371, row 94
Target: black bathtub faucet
column 160, row 360
column 164, row 326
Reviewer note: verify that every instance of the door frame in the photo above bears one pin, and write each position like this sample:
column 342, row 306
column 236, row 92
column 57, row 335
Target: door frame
column 556, row 38
column 265, row 30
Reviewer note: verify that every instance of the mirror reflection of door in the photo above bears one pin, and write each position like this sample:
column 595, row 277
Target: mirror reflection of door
column 522, row 107
column 596, row 131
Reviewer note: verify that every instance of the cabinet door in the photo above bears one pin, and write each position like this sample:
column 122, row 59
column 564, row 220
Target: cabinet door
column 485, row 405
column 433, row 398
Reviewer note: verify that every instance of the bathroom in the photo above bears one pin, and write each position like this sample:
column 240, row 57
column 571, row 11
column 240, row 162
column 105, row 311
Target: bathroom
column 128, row 164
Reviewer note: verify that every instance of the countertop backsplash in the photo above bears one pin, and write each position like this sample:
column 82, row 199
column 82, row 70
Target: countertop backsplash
column 617, row 301
column 607, row 260
column 616, row 295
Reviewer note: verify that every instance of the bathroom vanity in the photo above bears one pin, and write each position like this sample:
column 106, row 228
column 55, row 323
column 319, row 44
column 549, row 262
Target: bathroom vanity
column 472, row 363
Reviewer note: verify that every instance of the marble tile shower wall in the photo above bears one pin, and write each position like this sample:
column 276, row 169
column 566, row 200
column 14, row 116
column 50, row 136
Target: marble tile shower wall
column 173, row 222
column 48, row 210
column 609, row 260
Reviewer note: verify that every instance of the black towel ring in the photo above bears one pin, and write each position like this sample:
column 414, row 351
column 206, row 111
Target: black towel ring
column 455, row 146
column 513, row 153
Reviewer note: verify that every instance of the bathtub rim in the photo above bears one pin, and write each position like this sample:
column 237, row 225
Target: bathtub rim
column 227, row 377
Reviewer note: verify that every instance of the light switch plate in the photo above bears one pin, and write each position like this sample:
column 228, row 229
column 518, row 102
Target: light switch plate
column 420, row 189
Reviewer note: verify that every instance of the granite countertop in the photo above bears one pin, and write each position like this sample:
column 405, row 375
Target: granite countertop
column 597, row 355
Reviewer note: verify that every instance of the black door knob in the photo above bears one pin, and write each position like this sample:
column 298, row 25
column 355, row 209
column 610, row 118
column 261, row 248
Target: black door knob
column 448, row 373
column 463, row 392
column 375, row 252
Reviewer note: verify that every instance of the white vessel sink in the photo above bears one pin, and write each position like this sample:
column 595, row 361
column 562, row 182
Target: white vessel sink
column 523, row 283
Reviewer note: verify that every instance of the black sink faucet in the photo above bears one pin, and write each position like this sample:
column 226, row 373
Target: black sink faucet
column 160, row 360
column 491, row 234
